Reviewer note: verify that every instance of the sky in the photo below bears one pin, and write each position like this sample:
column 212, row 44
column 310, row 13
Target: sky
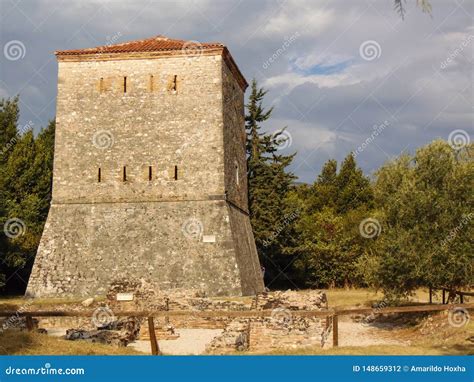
column 342, row 75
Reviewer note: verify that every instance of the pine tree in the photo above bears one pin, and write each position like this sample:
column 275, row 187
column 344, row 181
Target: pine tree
column 269, row 185
column 354, row 188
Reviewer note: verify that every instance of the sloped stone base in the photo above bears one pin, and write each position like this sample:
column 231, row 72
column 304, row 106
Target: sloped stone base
column 198, row 245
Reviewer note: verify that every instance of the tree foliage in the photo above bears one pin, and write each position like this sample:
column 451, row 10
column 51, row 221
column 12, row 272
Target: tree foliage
column 400, row 5
column 329, row 243
column 269, row 184
column 25, row 192
column 426, row 205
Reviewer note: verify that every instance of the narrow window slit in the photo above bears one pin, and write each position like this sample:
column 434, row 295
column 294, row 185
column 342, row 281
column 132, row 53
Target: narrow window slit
column 101, row 84
column 99, row 175
column 124, row 84
column 175, row 172
column 124, row 173
column 175, row 83
column 151, row 82
column 150, row 173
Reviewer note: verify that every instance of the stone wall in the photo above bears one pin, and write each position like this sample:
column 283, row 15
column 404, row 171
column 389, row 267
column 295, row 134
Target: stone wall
column 283, row 329
column 87, row 247
column 141, row 127
column 234, row 140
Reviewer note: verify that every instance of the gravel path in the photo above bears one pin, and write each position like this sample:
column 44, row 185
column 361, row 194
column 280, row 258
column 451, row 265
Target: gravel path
column 357, row 334
column 190, row 341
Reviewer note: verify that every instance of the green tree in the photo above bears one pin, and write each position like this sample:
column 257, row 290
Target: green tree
column 269, row 183
column 329, row 244
column 9, row 114
column 353, row 188
column 25, row 189
column 425, row 203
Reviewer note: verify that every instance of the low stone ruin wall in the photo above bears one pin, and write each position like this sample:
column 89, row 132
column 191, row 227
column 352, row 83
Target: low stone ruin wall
column 282, row 330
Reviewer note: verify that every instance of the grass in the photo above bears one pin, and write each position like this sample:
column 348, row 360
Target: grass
column 341, row 297
column 30, row 343
column 380, row 350
column 338, row 297
column 7, row 303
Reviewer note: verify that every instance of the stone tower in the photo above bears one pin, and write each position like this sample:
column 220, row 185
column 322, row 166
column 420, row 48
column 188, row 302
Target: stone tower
column 149, row 173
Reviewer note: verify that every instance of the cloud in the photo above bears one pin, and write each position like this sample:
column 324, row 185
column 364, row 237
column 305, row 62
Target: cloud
column 328, row 95
column 312, row 17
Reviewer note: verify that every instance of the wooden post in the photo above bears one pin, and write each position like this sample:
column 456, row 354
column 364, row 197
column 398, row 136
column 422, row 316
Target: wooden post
column 444, row 294
column 461, row 297
column 29, row 323
column 335, row 331
column 155, row 350
column 431, row 295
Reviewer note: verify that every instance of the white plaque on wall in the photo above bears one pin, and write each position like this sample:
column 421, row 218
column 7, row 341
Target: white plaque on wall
column 208, row 238
column 124, row 296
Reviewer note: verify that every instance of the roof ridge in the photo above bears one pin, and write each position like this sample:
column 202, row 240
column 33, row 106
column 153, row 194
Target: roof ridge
column 158, row 43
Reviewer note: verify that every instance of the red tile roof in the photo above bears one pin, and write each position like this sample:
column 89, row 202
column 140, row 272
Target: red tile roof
column 152, row 44
column 158, row 45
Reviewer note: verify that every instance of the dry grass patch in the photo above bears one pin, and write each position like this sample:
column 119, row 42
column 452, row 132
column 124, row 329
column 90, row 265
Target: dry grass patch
column 377, row 350
column 341, row 297
column 29, row 343
column 17, row 302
